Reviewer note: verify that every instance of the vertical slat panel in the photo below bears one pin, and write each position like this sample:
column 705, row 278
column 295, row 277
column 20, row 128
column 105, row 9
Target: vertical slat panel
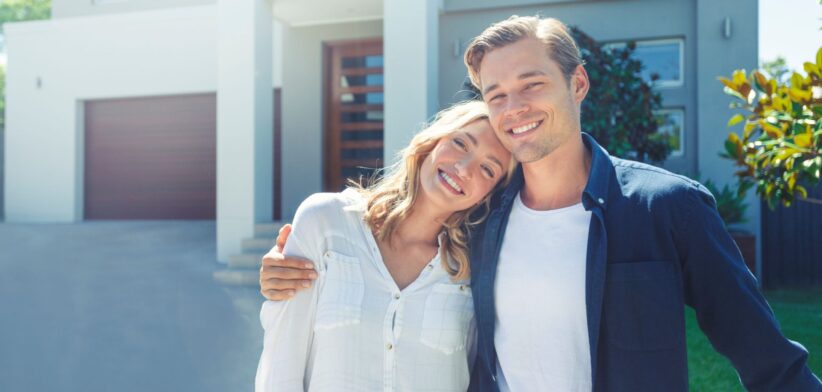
column 151, row 158
column 792, row 244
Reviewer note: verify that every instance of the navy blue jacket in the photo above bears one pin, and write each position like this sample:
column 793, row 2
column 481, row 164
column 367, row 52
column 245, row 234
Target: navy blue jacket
column 655, row 244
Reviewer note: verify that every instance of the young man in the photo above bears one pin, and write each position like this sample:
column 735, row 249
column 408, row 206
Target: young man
column 581, row 272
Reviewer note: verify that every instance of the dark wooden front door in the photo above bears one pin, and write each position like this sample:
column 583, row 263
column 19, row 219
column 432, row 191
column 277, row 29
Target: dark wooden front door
column 151, row 158
column 354, row 111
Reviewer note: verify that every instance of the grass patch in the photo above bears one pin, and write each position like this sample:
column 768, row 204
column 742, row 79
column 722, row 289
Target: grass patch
column 800, row 315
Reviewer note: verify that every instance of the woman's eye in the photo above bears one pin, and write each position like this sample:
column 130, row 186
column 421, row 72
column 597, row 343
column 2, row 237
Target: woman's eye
column 461, row 144
column 496, row 98
column 488, row 171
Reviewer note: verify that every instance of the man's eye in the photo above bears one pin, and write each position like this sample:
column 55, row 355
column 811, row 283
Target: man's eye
column 530, row 86
column 496, row 98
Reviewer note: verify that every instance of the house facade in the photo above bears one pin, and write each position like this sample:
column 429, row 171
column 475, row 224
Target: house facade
column 236, row 110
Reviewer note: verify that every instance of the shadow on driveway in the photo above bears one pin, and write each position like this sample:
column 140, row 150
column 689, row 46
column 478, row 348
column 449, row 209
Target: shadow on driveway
column 122, row 306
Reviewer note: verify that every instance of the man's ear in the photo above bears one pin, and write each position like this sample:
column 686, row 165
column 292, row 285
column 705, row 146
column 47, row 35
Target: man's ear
column 580, row 83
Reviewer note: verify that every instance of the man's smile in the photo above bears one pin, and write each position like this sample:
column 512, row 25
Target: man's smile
column 523, row 129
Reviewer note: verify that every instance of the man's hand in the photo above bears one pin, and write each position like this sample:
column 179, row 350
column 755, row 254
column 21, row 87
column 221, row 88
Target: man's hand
column 281, row 277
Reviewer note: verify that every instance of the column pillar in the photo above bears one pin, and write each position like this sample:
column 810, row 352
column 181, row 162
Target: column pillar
column 410, row 50
column 244, row 121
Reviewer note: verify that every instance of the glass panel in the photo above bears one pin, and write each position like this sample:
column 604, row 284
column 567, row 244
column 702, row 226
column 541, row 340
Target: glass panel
column 671, row 127
column 360, row 62
column 362, row 135
column 362, row 80
column 371, row 116
column 361, row 153
column 660, row 57
column 357, row 99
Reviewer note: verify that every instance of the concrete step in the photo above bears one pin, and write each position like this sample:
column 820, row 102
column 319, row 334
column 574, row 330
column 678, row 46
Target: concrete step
column 257, row 245
column 245, row 260
column 238, row 277
column 267, row 230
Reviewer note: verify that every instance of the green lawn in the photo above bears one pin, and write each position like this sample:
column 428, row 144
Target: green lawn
column 800, row 315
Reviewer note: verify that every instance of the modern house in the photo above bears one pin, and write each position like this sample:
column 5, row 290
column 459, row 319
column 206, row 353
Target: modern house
column 236, row 110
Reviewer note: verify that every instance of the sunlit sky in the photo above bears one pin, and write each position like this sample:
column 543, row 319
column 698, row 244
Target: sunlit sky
column 790, row 28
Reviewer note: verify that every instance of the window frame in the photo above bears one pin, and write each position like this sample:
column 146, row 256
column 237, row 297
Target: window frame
column 659, row 41
column 681, row 110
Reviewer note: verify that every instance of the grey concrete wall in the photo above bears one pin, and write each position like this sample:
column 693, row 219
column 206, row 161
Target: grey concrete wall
column 720, row 56
column 303, row 105
column 2, row 173
column 637, row 20
column 71, row 8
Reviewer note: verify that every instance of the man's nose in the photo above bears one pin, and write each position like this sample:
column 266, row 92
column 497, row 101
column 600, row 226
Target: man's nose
column 515, row 106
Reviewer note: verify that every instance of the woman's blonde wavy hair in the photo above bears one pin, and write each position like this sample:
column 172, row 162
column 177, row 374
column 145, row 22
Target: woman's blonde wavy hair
column 389, row 199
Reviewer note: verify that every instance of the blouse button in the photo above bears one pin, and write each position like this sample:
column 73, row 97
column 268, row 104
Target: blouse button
column 397, row 296
column 430, row 266
column 389, row 346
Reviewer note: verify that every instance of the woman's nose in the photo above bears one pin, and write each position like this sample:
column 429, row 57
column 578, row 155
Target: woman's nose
column 463, row 167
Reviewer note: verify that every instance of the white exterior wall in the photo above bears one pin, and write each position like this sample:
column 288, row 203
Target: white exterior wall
column 55, row 65
column 71, row 8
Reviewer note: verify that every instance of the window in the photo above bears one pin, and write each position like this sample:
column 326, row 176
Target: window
column 661, row 57
column 671, row 123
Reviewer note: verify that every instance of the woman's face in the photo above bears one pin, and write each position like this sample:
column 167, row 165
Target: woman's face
column 463, row 167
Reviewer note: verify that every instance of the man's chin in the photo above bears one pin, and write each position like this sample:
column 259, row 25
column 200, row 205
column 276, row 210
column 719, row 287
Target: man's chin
column 529, row 154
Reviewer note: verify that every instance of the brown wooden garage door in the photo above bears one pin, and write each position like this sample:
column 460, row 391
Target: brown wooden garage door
column 151, row 158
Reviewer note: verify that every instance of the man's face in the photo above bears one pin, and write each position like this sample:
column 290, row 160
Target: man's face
column 533, row 108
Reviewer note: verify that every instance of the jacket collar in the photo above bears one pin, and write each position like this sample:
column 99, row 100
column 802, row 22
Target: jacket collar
column 599, row 178
column 595, row 193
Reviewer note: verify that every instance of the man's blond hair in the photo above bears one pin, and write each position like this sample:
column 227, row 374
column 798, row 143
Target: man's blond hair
column 559, row 44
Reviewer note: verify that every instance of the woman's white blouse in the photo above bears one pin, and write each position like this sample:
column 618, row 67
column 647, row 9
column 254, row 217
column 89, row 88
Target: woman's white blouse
column 354, row 330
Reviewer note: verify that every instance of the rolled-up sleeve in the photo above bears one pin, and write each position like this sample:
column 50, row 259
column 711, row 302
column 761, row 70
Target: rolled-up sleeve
column 730, row 310
column 289, row 325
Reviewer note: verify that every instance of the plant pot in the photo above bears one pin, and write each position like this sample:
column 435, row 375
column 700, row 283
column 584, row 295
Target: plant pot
column 747, row 246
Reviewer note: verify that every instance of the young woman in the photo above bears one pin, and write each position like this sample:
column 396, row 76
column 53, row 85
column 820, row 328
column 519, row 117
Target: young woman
column 391, row 309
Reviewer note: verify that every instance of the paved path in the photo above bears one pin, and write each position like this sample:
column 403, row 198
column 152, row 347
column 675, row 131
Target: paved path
column 121, row 306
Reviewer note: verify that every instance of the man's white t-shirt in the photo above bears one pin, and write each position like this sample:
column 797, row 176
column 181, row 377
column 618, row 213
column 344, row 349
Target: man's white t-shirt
column 541, row 333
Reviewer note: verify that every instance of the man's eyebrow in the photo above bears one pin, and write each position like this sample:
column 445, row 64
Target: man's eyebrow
column 525, row 75
column 490, row 157
column 531, row 74
column 489, row 88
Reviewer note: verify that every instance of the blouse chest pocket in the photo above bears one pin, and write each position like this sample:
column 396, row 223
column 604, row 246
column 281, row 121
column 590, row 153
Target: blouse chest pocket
column 342, row 292
column 446, row 318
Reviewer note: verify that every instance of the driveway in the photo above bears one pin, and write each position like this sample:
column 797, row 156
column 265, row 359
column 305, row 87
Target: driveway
column 122, row 306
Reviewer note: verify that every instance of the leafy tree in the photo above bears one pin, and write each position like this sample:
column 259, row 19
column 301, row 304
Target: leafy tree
column 18, row 11
column 780, row 148
column 619, row 108
column 777, row 69
column 22, row 10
